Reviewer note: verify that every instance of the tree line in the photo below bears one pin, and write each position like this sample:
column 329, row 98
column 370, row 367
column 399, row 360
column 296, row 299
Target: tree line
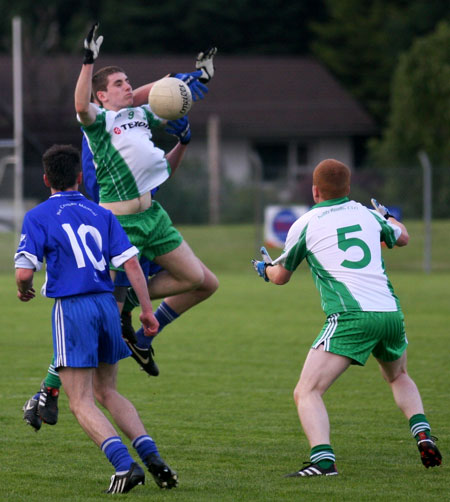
column 392, row 55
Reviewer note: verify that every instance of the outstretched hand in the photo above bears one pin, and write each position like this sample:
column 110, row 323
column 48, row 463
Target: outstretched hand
column 260, row 269
column 92, row 45
column 198, row 90
column 381, row 209
column 205, row 63
column 261, row 266
column 181, row 129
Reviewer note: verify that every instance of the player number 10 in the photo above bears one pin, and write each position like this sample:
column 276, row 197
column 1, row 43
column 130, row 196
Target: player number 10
column 82, row 231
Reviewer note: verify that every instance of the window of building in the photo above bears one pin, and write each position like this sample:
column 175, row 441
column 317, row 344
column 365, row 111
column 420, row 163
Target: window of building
column 274, row 158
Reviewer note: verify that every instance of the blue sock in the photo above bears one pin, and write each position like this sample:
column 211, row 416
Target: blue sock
column 143, row 342
column 117, row 453
column 145, row 446
column 165, row 316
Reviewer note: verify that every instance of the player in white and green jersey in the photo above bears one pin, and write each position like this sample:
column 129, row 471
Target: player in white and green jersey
column 127, row 163
column 340, row 240
column 129, row 166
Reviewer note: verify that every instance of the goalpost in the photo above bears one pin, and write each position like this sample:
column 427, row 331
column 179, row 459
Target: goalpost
column 16, row 143
column 12, row 155
column 18, row 124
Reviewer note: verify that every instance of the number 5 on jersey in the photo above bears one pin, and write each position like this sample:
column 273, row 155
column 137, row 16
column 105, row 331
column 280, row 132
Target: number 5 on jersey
column 345, row 243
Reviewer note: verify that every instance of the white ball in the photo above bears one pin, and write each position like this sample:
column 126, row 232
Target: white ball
column 170, row 98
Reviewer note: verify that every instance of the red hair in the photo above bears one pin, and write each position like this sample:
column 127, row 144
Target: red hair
column 332, row 178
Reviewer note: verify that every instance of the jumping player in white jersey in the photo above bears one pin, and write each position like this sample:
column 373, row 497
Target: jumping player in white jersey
column 129, row 166
column 340, row 240
column 78, row 239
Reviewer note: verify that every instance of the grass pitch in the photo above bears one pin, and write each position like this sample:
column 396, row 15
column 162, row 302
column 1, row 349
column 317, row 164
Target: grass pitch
column 221, row 410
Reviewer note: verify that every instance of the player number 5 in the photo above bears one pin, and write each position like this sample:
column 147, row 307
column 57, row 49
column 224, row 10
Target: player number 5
column 345, row 243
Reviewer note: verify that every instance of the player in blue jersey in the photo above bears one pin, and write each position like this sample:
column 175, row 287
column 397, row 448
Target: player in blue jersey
column 43, row 405
column 78, row 239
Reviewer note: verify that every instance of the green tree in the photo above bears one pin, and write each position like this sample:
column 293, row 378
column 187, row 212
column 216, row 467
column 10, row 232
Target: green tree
column 420, row 112
column 360, row 42
column 47, row 27
column 172, row 26
column 186, row 26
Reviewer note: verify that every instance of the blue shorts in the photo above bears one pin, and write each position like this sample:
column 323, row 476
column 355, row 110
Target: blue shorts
column 87, row 331
column 149, row 268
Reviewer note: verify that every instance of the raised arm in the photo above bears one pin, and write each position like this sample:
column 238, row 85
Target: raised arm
column 85, row 109
column 182, row 130
column 271, row 271
column 140, row 95
column 195, row 80
column 276, row 274
column 404, row 236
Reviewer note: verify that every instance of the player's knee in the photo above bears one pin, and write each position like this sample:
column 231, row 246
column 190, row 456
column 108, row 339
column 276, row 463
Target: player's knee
column 196, row 277
column 76, row 406
column 102, row 395
column 211, row 283
column 297, row 394
column 392, row 378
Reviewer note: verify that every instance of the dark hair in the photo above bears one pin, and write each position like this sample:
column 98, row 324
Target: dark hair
column 332, row 178
column 100, row 79
column 62, row 166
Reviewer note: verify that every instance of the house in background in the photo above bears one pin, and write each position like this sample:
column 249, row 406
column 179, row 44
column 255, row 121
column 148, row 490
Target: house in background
column 283, row 113
column 291, row 112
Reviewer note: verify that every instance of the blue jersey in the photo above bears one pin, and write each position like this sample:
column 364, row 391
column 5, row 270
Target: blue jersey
column 78, row 239
column 89, row 176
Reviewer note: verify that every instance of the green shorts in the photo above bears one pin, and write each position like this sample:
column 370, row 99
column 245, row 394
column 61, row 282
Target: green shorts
column 358, row 334
column 151, row 231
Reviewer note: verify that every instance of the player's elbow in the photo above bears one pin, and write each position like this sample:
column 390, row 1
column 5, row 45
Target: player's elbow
column 24, row 276
column 403, row 239
column 279, row 281
column 279, row 275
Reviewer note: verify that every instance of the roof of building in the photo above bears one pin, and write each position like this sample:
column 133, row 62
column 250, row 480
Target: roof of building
column 257, row 97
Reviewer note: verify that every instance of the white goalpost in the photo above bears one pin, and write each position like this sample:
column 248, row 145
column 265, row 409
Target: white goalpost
column 18, row 123
column 12, row 148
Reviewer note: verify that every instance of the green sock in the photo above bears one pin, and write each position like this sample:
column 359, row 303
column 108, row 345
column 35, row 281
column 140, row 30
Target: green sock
column 52, row 379
column 322, row 455
column 418, row 423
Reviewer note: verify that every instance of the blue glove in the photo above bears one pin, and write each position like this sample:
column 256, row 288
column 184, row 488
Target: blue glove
column 260, row 268
column 381, row 209
column 181, row 129
column 196, row 87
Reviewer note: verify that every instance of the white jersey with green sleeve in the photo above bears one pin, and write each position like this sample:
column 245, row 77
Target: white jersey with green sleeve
column 127, row 163
column 340, row 240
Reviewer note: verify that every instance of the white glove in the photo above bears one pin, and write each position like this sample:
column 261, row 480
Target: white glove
column 92, row 46
column 204, row 62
